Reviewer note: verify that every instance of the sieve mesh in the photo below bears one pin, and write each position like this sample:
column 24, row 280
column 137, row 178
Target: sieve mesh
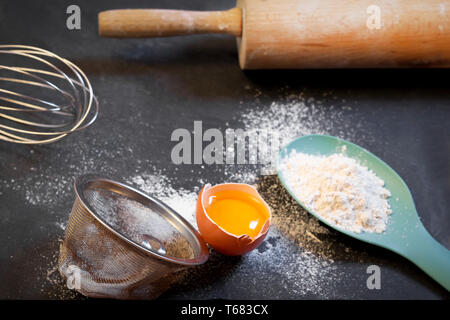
column 139, row 223
column 103, row 253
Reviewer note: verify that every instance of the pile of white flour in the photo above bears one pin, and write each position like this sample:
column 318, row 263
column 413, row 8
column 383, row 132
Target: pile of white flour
column 340, row 190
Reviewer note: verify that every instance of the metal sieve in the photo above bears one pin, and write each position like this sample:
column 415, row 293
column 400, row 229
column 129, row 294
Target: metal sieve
column 121, row 243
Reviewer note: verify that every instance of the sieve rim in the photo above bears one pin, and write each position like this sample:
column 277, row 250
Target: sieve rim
column 82, row 183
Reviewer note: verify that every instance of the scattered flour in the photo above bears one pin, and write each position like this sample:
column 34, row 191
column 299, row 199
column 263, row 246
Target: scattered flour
column 298, row 250
column 339, row 189
column 295, row 116
column 302, row 273
column 160, row 186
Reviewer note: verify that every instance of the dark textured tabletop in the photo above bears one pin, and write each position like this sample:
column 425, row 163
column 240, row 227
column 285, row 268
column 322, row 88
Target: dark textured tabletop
column 149, row 87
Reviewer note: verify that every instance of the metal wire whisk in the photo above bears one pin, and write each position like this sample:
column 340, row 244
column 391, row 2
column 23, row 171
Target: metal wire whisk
column 43, row 97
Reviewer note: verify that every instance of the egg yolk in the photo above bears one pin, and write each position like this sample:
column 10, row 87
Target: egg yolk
column 237, row 212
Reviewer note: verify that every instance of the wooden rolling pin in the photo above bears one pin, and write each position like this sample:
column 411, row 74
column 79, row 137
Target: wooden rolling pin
column 293, row 34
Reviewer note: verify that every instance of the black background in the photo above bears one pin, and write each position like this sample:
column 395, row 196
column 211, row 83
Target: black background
column 148, row 88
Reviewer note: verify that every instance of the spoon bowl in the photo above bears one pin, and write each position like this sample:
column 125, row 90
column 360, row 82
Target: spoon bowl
column 405, row 233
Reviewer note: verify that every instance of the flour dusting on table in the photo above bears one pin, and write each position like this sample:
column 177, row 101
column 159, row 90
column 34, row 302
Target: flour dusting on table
column 298, row 244
column 159, row 186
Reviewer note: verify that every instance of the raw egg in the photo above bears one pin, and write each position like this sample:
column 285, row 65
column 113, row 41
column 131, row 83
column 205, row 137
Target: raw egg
column 232, row 217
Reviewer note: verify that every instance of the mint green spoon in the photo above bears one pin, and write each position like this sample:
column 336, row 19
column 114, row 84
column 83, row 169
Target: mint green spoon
column 405, row 233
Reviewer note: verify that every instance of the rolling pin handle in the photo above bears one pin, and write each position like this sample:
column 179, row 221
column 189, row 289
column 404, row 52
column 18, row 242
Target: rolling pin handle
column 142, row 23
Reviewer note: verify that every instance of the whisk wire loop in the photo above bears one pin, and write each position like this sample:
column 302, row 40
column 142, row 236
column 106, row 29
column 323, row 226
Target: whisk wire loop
column 34, row 118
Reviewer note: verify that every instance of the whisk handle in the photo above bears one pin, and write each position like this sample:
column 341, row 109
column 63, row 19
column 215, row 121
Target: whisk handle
column 139, row 23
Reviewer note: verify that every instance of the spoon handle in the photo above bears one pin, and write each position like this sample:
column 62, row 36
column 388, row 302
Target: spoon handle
column 429, row 255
